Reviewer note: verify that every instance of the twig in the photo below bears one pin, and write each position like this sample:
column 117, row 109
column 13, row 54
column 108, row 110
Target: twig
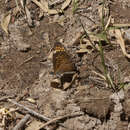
column 77, row 38
column 60, row 118
column 22, row 122
column 27, row 60
column 97, row 80
column 86, row 34
column 33, row 113
column 30, row 111
column 100, row 75
column 87, row 18
column 5, row 98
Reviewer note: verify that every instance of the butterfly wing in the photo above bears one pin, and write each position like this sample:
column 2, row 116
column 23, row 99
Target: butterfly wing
column 62, row 61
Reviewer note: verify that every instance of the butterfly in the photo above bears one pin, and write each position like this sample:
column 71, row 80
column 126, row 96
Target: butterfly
column 62, row 60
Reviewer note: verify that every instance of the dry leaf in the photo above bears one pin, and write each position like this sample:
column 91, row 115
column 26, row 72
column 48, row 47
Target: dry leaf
column 52, row 11
column 85, row 48
column 56, row 83
column 50, row 56
column 15, row 11
column 6, row 114
column 120, row 40
column 41, row 13
column 44, row 6
column 66, row 85
column 5, row 22
column 40, row 5
column 31, row 100
column 65, row 4
column 82, row 51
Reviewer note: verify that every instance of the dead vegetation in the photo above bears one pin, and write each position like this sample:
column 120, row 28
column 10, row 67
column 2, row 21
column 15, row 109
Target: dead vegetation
column 95, row 34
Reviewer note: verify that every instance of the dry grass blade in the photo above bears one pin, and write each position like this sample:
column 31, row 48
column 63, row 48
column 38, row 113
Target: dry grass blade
column 40, row 5
column 65, row 4
column 120, row 40
column 100, row 11
column 28, row 15
column 121, row 25
column 108, row 23
column 100, row 75
column 82, row 50
column 5, row 22
column 52, row 11
column 31, row 100
column 17, row 5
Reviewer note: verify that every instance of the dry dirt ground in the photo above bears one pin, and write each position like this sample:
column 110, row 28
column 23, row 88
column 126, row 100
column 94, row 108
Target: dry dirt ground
column 26, row 68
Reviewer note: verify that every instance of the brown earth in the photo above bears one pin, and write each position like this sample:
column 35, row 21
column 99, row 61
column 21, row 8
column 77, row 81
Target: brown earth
column 26, row 71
